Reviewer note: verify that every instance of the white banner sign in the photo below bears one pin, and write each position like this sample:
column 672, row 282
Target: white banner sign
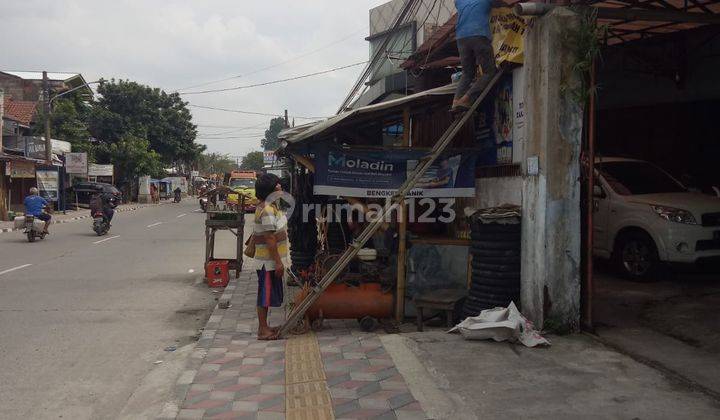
column 76, row 163
column 47, row 182
column 100, row 170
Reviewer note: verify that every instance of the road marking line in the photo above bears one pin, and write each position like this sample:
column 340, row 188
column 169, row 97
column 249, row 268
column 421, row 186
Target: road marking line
column 14, row 268
column 182, row 215
column 197, row 211
column 106, row 239
column 191, row 271
column 155, row 224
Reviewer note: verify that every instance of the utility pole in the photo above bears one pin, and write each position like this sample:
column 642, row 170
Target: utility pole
column 46, row 107
column 287, row 122
column 2, row 113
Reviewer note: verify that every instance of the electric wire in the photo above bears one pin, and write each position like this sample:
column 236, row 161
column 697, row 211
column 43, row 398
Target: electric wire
column 304, row 76
column 264, row 114
column 273, row 65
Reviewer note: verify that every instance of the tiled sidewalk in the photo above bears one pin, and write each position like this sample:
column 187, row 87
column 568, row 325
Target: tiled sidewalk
column 231, row 375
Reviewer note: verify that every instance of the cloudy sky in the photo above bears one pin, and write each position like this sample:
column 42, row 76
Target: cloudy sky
column 175, row 44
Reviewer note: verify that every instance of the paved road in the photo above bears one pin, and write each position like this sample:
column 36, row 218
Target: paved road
column 83, row 320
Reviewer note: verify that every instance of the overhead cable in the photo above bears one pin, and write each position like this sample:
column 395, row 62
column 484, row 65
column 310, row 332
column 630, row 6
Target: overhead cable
column 274, row 81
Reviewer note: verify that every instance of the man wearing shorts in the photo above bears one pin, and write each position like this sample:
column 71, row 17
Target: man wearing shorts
column 34, row 206
column 271, row 249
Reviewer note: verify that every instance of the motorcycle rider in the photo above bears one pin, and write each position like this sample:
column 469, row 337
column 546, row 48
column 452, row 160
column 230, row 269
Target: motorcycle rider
column 178, row 193
column 103, row 203
column 35, row 206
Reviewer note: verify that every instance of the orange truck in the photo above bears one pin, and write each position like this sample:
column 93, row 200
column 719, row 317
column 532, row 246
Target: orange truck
column 244, row 183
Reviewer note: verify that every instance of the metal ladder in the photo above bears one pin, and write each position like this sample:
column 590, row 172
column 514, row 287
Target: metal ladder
column 423, row 165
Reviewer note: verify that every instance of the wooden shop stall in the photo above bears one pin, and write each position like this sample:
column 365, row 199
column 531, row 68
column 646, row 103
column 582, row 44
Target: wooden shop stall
column 348, row 165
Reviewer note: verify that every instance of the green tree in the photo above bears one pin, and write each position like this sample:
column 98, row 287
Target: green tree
column 68, row 122
column 132, row 157
column 128, row 108
column 214, row 163
column 253, row 161
column 270, row 142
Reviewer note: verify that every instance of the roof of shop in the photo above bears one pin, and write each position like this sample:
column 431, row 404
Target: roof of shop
column 297, row 134
column 619, row 30
column 19, row 111
column 38, row 75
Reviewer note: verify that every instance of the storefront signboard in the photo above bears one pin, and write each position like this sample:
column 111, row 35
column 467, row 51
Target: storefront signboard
column 378, row 174
column 48, row 181
column 95, row 169
column 76, row 163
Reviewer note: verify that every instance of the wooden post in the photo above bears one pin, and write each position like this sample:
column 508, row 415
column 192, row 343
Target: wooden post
column 402, row 236
column 3, row 188
column 46, row 108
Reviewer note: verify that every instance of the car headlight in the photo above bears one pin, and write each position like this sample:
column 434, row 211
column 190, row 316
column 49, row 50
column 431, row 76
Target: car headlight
column 675, row 215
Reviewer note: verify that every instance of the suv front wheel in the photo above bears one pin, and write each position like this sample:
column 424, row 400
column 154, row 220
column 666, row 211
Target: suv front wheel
column 636, row 256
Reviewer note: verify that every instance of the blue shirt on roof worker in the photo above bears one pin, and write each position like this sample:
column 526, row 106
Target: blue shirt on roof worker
column 34, row 205
column 473, row 18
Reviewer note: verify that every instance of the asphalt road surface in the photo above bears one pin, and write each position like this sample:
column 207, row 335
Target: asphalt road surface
column 85, row 320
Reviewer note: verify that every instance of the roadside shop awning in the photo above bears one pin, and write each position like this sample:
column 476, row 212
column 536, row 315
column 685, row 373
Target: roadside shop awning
column 299, row 134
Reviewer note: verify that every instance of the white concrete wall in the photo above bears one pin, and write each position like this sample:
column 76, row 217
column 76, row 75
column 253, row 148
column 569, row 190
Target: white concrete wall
column 550, row 284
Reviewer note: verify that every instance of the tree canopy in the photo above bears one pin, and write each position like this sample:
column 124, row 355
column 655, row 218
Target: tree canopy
column 270, row 142
column 215, row 163
column 252, row 161
column 128, row 108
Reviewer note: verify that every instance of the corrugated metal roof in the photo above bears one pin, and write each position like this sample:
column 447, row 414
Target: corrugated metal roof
column 298, row 134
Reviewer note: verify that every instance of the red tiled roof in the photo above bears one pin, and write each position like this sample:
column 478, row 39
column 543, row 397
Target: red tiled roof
column 20, row 111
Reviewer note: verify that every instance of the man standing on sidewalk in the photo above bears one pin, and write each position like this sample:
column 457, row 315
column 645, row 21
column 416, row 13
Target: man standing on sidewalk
column 474, row 42
column 271, row 250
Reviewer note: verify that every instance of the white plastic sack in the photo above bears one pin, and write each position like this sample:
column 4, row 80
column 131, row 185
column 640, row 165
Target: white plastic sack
column 500, row 324
column 19, row 222
column 38, row 225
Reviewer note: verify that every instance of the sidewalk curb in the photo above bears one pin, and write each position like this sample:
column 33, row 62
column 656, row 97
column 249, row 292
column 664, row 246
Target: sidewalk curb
column 76, row 218
column 198, row 354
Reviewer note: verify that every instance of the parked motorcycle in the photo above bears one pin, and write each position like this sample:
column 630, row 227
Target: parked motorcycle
column 203, row 203
column 101, row 225
column 34, row 228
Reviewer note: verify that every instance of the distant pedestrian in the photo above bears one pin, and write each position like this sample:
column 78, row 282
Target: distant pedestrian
column 271, row 251
column 154, row 194
column 474, row 42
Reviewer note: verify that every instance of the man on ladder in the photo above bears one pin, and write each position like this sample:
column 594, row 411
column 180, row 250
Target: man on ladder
column 474, row 43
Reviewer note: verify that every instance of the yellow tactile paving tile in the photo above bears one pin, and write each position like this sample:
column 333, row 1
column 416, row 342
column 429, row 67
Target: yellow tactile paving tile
column 306, row 391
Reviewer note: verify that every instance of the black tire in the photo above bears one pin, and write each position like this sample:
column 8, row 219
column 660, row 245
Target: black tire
column 476, row 226
column 31, row 236
column 495, row 282
column 503, row 268
column 478, row 259
column 500, row 297
column 636, row 257
column 507, row 275
column 493, row 253
column 493, row 236
column 510, row 290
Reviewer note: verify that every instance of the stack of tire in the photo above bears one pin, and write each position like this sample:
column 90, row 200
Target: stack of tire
column 302, row 233
column 495, row 250
column 303, row 256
